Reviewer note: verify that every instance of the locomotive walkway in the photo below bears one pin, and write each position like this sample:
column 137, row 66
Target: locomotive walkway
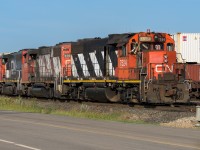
column 27, row 131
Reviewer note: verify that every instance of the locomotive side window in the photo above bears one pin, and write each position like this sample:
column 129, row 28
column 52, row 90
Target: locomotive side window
column 4, row 60
column 123, row 51
column 170, row 46
column 134, row 47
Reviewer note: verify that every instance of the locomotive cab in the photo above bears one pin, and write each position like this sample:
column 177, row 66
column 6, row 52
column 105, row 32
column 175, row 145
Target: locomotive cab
column 158, row 55
column 144, row 51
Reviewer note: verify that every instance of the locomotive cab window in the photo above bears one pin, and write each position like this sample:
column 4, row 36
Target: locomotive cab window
column 123, row 54
column 145, row 46
column 4, row 60
column 158, row 46
column 134, row 47
column 170, row 46
column 33, row 56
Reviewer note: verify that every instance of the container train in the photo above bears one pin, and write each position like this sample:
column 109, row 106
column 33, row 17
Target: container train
column 131, row 67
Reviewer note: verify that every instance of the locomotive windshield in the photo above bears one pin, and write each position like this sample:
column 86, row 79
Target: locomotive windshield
column 151, row 46
column 145, row 46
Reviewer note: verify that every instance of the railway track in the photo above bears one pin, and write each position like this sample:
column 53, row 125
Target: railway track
column 191, row 107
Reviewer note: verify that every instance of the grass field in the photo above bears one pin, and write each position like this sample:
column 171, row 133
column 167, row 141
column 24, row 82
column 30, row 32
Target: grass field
column 33, row 106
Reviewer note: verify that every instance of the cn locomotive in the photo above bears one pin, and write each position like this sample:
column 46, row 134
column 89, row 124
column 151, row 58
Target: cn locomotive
column 132, row 67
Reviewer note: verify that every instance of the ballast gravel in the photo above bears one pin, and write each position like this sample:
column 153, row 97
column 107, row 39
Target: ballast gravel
column 162, row 116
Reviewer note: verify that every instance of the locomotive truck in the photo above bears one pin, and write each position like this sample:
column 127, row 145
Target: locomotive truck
column 131, row 67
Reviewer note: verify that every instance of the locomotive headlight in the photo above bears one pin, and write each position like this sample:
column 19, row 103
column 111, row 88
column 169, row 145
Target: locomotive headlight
column 165, row 61
column 165, row 58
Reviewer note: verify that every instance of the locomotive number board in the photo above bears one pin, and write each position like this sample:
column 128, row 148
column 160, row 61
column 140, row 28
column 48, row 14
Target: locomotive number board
column 145, row 39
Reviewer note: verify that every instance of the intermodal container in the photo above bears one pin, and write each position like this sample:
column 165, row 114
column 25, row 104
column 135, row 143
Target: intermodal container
column 187, row 46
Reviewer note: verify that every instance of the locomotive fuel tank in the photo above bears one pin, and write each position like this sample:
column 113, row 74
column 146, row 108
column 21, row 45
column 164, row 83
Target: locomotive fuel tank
column 9, row 89
column 102, row 94
column 40, row 90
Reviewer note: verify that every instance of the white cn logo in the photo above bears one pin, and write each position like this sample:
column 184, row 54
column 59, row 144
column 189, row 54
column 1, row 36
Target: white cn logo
column 164, row 68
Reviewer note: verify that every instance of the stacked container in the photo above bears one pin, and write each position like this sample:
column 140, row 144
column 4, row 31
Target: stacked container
column 187, row 46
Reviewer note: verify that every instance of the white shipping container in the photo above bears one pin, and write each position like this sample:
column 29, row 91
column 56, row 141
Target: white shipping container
column 188, row 45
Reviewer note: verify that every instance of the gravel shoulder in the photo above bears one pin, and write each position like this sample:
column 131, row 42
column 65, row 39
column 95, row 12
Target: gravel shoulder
column 170, row 118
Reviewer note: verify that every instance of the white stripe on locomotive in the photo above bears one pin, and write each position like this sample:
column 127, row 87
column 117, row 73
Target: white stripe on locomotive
column 110, row 65
column 57, row 66
column 48, row 65
column 83, row 65
column 95, row 64
column 74, row 70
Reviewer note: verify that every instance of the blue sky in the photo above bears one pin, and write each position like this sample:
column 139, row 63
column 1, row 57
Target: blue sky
column 34, row 23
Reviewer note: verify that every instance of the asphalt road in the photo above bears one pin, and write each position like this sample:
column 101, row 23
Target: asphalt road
column 28, row 131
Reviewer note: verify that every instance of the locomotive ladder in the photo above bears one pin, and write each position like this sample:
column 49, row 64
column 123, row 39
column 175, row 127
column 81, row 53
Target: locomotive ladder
column 19, row 85
column 143, row 86
column 58, row 82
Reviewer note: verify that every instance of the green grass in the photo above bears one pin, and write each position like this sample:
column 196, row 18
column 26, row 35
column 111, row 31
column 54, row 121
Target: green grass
column 32, row 105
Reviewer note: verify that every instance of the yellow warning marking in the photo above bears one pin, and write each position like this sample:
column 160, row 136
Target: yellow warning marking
column 10, row 80
column 102, row 81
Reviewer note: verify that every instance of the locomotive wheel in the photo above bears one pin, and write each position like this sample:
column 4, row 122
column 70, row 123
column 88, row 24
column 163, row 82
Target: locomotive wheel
column 102, row 95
